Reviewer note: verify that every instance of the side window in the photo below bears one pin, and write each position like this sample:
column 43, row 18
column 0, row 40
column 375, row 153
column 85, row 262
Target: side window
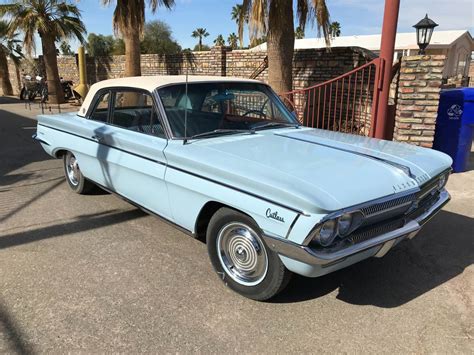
column 100, row 112
column 133, row 110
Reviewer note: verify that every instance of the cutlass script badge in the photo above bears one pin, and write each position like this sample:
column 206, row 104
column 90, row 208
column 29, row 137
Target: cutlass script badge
column 274, row 215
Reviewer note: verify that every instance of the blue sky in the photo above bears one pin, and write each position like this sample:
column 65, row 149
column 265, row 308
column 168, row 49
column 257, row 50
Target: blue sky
column 355, row 16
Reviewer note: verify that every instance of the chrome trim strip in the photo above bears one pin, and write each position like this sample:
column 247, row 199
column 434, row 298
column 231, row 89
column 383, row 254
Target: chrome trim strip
column 188, row 172
column 166, row 220
column 242, row 191
column 35, row 137
column 358, row 208
column 385, row 161
column 292, row 225
column 104, row 144
column 309, row 256
column 384, row 199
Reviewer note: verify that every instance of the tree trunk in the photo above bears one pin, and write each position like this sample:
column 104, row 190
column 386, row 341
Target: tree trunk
column 200, row 44
column 55, row 92
column 132, row 53
column 281, row 45
column 5, row 75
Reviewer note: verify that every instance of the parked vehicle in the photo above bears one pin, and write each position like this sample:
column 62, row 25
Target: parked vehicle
column 38, row 87
column 33, row 88
column 223, row 159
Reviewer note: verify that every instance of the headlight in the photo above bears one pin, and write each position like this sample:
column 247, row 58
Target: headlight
column 344, row 224
column 339, row 226
column 327, row 232
column 442, row 181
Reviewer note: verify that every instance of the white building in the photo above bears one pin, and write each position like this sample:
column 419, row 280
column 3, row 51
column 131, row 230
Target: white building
column 456, row 45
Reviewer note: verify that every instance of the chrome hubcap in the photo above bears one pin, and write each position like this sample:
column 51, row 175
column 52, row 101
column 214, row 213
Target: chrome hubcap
column 72, row 169
column 242, row 254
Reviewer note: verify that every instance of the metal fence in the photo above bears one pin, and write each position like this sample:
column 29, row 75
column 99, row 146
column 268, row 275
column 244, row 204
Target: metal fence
column 343, row 104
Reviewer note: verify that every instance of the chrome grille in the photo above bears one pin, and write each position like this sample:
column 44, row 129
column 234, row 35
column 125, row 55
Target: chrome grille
column 388, row 205
column 388, row 215
column 427, row 188
column 375, row 230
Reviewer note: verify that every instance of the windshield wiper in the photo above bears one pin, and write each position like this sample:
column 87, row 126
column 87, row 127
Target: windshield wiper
column 219, row 132
column 276, row 124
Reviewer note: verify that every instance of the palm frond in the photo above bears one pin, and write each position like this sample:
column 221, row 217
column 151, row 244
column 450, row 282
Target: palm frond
column 57, row 18
column 258, row 17
column 302, row 12
column 322, row 19
column 154, row 4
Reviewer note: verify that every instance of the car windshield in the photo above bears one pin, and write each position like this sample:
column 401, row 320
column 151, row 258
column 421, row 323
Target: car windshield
column 223, row 108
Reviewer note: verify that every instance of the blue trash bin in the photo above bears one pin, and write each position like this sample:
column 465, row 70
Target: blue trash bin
column 455, row 126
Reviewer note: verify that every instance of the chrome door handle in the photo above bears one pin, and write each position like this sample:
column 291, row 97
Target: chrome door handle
column 97, row 138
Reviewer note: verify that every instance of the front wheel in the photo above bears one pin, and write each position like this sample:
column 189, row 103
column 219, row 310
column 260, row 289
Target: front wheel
column 76, row 181
column 241, row 258
column 24, row 93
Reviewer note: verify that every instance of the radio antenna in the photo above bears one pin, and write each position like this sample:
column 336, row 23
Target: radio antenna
column 186, row 109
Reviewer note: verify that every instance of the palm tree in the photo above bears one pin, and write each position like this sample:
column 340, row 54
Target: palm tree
column 65, row 48
column 53, row 20
column 238, row 13
column 232, row 40
column 200, row 33
column 129, row 22
column 9, row 48
column 277, row 16
column 299, row 33
column 335, row 29
column 219, row 41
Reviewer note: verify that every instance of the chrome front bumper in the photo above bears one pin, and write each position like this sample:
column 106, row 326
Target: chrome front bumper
column 385, row 241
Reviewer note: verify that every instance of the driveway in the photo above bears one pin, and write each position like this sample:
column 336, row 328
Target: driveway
column 93, row 273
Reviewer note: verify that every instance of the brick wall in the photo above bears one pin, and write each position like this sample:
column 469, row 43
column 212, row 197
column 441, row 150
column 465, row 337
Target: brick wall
column 416, row 99
column 471, row 74
column 311, row 66
column 420, row 81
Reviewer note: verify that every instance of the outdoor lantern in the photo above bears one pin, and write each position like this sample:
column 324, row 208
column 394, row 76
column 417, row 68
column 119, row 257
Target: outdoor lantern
column 424, row 30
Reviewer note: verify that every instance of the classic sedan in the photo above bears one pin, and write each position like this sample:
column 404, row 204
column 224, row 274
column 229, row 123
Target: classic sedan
column 224, row 160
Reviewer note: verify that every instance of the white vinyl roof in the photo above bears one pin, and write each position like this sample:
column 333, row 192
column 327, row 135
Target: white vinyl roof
column 440, row 39
column 150, row 83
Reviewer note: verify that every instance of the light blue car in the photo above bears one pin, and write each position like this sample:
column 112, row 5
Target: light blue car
column 223, row 159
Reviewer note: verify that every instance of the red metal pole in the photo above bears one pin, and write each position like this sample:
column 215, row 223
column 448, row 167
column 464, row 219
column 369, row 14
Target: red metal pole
column 387, row 49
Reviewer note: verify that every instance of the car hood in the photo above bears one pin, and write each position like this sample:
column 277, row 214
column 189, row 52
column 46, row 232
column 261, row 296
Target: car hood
column 310, row 169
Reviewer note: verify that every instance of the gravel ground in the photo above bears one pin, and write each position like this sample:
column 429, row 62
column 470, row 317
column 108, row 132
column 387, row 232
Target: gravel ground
column 93, row 273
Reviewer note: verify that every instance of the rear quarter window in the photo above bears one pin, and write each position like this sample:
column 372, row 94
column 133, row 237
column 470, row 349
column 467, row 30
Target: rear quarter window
column 100, row 112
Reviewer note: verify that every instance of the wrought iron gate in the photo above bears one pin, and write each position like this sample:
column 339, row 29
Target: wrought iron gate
column 344, row 104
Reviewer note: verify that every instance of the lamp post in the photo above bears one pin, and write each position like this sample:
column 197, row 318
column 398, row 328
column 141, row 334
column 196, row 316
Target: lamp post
column 424, row 30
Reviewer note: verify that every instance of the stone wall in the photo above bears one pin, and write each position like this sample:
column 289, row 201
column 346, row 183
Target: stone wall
column 311, row 66
column 420, row 81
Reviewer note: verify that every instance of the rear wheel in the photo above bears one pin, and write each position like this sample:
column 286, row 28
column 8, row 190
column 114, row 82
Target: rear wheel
column 241, row 258
column 76, row 181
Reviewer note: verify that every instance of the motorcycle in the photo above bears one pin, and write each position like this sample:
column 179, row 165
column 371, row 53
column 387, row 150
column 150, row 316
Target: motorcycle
column 38, row 87
column 33, row 88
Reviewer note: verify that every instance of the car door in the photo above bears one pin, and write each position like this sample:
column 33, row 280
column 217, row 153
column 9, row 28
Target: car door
column 90, row 152
column 133, row 145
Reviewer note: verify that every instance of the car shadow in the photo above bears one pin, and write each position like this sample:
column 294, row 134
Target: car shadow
column 441, row 251
column 14, row 337
column 81, row 224
column 17, row 148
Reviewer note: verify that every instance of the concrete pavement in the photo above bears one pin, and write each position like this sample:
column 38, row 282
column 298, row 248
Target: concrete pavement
column 93, row 273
